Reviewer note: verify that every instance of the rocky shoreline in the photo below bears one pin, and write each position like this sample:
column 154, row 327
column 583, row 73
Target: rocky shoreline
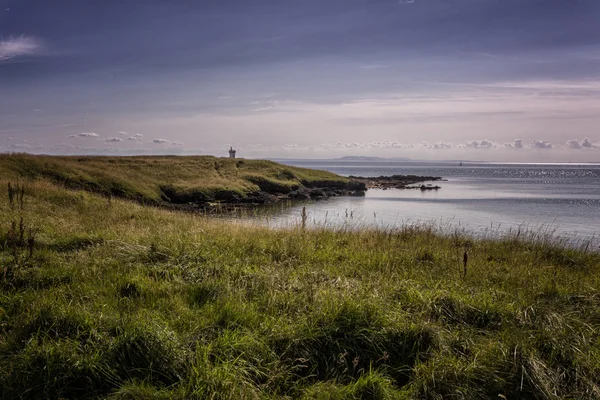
column 397, row 182
column 357, row 186
column 226, row 200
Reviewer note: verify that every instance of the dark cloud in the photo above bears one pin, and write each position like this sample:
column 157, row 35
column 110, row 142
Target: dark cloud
column 113, row 139
column 153, row 35
column 163, row 65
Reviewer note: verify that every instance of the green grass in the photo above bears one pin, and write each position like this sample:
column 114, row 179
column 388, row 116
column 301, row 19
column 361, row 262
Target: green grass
column 117, row 300
column 155, row 180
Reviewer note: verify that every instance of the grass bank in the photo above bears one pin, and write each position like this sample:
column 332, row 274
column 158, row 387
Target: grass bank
column 111, row 299
column 164, row 180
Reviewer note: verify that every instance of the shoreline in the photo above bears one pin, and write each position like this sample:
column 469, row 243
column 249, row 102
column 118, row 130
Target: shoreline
column 356, row 187
column 397, row 181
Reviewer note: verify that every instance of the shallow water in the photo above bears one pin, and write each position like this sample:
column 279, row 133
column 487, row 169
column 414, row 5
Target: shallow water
column 482, row 198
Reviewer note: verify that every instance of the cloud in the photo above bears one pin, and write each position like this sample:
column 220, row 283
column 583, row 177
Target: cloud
column 123, row 133
column 16, row 47
column 177, row 143
column 435, row 146
column 85, row 135
column 517, row 144
column 161, row 141
column 541, row 144
column 587, row 143
column 113, row 139
column 480, row 144
column 584, row 144
column 138, row 137
column 441, row 145
column 387, row 145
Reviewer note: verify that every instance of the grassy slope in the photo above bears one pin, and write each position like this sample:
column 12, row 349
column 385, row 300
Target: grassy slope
column 155, row 179
column 122, row 301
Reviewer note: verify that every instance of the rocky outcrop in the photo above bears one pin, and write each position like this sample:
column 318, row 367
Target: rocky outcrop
column 268, row 193
column 328, row 189
column 271, row 192
column 395, row 181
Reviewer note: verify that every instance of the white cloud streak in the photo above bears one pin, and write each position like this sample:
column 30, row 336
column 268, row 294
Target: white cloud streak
column 137, row 137
column 84, row 135
column 17, row 47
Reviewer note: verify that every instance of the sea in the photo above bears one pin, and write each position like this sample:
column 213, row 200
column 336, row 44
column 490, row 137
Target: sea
column 483, row 199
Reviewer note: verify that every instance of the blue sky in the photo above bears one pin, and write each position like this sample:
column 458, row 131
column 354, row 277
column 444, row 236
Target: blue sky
column 511, row 80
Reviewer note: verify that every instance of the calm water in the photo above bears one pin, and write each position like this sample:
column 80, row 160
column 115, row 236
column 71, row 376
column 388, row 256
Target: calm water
column 482, row 198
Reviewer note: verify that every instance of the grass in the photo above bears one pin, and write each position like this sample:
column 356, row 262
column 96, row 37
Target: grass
column 117, row 300
column 156, row 180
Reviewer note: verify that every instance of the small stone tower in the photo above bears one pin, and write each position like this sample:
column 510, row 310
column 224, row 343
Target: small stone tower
column 231, row 152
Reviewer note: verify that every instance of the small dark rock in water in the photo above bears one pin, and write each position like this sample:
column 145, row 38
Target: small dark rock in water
column 429, row 187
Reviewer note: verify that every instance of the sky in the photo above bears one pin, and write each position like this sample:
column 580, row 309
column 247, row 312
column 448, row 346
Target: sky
column 496, row 80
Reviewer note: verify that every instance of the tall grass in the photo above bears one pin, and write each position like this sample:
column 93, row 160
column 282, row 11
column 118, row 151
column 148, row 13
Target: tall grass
column 122, row 301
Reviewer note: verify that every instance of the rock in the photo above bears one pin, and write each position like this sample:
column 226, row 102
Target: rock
column 393, row 182
column 300, row 194
column 317, row 193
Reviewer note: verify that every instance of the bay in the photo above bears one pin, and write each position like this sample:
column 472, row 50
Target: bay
column 481, row 198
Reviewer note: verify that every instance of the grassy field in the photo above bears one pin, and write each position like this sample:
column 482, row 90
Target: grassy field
column 168, row 179
column 108, row 298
